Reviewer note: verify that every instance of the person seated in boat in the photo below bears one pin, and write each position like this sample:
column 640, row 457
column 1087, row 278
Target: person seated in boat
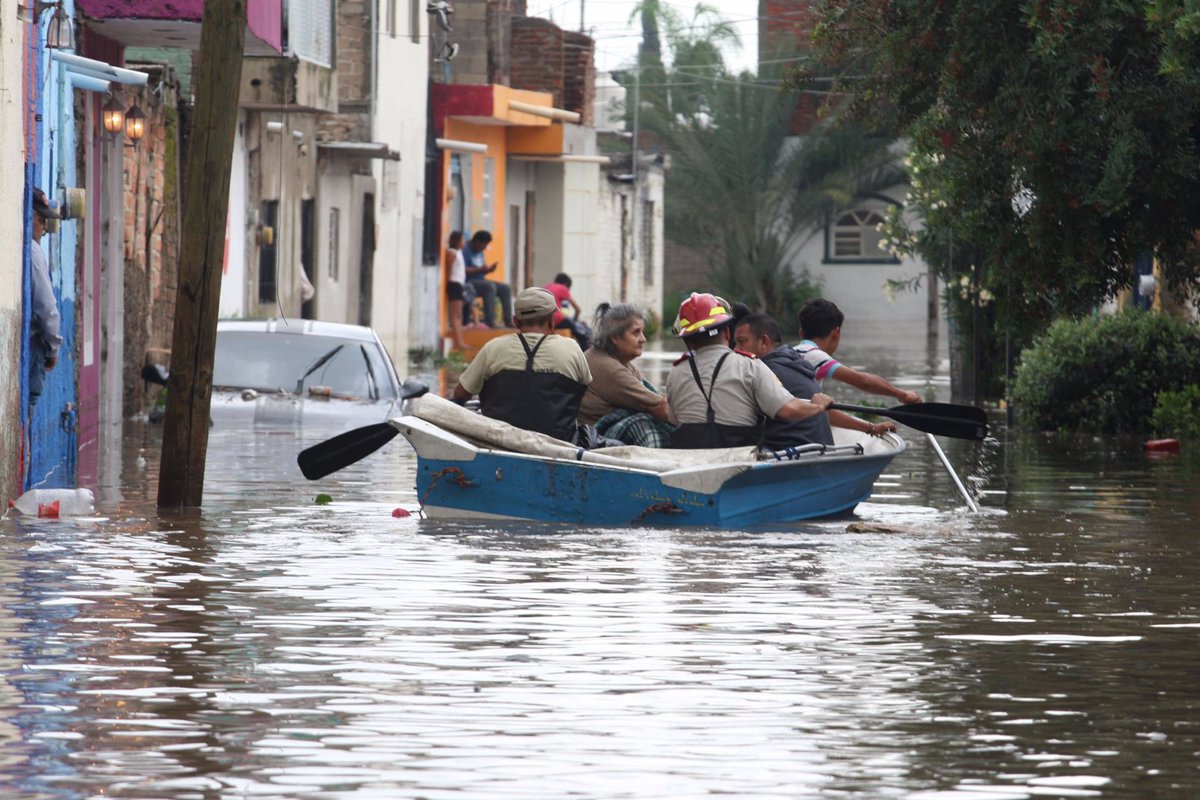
column 760, row 335
column 720, row 398
column 532, row 379
column 821, row 332
column 620, row 402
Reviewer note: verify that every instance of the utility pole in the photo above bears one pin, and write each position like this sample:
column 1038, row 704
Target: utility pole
column 201, row 252
column 635, row 206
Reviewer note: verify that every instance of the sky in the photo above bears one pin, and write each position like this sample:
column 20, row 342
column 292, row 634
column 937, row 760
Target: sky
column 607, row 21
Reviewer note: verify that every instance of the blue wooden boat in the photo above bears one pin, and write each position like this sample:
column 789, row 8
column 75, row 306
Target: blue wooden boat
column 470, row 466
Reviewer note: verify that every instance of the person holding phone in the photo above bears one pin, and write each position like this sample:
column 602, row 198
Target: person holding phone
column 474, row 254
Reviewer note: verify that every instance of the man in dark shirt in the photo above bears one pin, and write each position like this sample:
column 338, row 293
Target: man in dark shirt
column 760, row 335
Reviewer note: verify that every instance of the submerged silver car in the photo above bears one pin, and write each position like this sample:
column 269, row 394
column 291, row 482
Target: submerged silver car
column 293, row 372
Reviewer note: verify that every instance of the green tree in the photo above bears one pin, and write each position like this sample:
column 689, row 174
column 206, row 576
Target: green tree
column 1060, row 137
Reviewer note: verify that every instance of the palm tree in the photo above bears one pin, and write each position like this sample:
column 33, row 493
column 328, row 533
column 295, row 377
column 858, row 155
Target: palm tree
column 744, row 189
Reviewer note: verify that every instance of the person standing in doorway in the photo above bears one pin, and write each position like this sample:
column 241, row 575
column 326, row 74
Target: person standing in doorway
column 44, row 336
column 456, row 279
column 477, row 271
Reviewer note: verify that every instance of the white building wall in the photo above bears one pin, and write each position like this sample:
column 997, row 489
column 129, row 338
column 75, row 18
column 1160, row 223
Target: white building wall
column 401, row 282
column 630, row 263
column 522, row 178
column 859, row 289
column 335, row 278
column 12, row 185
column 581, row 234
column 234, row 285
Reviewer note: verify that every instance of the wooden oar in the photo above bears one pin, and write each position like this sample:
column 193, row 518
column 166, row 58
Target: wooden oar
column 346, row 448
column 940, row 419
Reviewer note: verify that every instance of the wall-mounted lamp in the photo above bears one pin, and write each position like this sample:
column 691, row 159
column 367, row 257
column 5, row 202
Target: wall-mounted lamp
column 113, row 115
column 116, row 118
column 60, row 35
column 135, row 123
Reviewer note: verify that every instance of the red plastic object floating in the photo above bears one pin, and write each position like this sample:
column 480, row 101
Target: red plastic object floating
column 400, row 512
column 1162, row 446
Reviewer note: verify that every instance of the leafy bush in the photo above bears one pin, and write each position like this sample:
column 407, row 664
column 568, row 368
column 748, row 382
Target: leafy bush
column 1178, row 413
column 1104, row 374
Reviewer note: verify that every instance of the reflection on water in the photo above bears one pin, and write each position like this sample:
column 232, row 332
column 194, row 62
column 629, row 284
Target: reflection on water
column 271, row 647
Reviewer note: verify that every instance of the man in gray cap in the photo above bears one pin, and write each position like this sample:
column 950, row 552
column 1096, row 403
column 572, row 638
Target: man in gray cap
column 44, row 335
column 532, row 379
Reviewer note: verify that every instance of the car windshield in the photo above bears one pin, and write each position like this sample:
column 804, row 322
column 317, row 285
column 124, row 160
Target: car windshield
column 273, row 361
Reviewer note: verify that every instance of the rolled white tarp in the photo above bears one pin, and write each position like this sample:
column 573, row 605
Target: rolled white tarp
column 493, row 433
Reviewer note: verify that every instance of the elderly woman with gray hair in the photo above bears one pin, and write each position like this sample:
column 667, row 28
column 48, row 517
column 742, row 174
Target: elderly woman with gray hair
column 619, row 402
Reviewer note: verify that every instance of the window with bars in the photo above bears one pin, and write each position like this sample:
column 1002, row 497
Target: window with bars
column 854, row 235
column 310, row 30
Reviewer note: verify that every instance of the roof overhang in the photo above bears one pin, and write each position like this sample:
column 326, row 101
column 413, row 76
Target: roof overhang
column 137, row 23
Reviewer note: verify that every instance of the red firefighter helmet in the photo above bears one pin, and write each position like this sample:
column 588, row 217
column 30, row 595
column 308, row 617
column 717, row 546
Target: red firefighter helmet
column 701, row 312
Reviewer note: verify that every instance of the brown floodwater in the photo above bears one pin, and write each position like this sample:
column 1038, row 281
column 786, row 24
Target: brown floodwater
column 272, row 647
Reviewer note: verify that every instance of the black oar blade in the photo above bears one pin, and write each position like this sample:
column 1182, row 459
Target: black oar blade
column 344, row 449
column 413, row 388
column 940, row 419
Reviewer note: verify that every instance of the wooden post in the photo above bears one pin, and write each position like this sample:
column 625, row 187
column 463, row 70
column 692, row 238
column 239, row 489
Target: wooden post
column 201, row 252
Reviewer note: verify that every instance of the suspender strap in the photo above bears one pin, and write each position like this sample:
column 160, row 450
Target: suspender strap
column 530, row 352
column 712, row 416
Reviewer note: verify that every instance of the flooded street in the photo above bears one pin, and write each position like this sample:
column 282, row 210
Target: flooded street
column 273, row 647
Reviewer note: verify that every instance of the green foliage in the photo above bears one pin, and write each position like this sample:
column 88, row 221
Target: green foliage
column 1058, row 138
column 1104, row 373
column 1177, row 413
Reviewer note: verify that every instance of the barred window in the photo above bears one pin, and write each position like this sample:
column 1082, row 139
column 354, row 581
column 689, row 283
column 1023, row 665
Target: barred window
column 854, row 235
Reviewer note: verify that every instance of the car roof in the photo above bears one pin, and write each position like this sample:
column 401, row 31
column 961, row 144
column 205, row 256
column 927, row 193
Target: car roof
column 312, row 327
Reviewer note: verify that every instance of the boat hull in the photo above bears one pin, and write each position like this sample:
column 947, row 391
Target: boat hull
column 456, row 479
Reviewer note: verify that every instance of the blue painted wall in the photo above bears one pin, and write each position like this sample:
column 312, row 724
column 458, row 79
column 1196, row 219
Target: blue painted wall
column 50, row 424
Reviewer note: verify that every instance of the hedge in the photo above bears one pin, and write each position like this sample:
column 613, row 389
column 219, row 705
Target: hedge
column 1104, row 373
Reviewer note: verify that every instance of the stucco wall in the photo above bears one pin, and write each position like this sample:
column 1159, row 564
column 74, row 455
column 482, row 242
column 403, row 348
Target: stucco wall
column 401, row 281
column 625, row 272
column 12, row 186
column 858, row 289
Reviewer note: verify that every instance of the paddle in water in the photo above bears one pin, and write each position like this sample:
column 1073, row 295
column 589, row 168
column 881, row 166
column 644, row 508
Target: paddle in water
column 346, row 448
column 940, row 419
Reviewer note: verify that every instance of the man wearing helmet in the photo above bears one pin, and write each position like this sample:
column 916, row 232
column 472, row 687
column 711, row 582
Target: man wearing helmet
column 720, row 398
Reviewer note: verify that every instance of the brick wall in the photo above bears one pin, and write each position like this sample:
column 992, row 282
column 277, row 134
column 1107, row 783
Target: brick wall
column 537, row 57
column 579, row 75
column 471, row 35
column 785, row 29
column 151, row 234
column 350, row 123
